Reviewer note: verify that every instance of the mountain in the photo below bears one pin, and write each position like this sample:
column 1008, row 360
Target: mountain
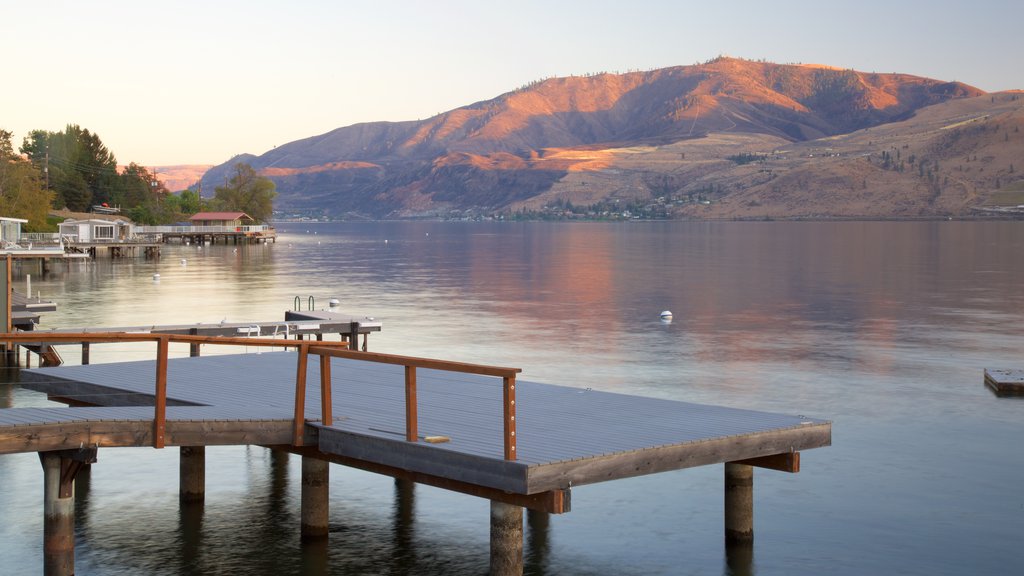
column 180, row 177
column 729, row 138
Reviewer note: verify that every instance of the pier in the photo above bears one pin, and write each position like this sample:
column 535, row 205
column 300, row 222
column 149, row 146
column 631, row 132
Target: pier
column 1005, row 382
column 473, row 429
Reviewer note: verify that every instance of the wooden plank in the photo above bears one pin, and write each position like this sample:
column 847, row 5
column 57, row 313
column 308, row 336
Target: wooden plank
column 411, row 420
column 552, row 502
column 325, row 391
column 665, row 458
column 432, row 459
column 509, row 416
column 788, row 462
column 160, row 405
column 1005, row 382
column 430, row 363
column 300, row 395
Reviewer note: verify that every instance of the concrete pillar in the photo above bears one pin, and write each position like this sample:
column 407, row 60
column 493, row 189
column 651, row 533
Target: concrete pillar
column 315, row 498
column 192, row 474
column 58, row 520
column 506, row 539
column 739, row 503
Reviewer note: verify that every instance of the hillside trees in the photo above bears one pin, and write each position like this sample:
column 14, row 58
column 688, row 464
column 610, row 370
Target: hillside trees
column 82, row 172
column 75, row 165
column 247, row 192
column 22, row 194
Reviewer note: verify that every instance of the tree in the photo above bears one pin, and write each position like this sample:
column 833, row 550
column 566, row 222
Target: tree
column 75, row 164
column 247, row 192
column 22, row 194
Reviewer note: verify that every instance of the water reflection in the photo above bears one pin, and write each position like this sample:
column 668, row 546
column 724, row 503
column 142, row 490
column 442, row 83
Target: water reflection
column 403, row 556
column 882, row 327
column 739, row 559
column 538, row 542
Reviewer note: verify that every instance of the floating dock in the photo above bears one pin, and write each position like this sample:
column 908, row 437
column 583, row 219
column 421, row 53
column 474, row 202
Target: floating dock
column 1005, row 382
column 468, row 428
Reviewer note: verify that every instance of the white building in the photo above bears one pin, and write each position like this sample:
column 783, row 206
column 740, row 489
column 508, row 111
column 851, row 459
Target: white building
column 96, row 230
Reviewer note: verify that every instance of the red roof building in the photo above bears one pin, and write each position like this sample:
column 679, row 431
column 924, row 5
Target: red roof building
column 221, row 219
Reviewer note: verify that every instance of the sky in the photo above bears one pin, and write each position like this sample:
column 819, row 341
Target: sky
column 198, row 82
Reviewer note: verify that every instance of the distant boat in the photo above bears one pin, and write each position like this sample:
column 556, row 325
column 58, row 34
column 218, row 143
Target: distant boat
column 105, row 209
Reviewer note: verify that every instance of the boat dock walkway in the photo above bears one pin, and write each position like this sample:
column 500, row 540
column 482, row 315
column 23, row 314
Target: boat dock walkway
column 468, row 428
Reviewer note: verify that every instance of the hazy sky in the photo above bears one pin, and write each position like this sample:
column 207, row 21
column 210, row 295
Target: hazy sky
column 196, row 82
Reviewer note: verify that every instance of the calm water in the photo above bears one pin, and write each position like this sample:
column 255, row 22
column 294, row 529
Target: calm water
column 884, row 328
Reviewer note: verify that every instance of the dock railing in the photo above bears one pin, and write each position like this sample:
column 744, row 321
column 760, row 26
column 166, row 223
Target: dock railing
column 325, row 350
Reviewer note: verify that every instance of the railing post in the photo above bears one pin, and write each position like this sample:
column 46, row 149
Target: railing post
column 160, row 417
column 85, row 353
column 509, row 402
column 353, row 336
column 411, row 424
column 325, row 390
column 193, row 347
column 300, row 395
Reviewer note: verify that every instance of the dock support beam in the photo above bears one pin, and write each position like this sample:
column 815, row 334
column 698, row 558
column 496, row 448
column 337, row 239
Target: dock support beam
column 192, row 474
column 315, row 498
column 506, row 539
column 58, row 514
column 739, row 503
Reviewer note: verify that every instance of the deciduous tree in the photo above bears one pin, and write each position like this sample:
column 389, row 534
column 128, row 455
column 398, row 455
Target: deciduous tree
column 22, row 194
column 247, row 192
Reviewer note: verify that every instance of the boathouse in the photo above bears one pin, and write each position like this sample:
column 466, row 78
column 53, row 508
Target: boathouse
column 97, row 230
column 230, row 219
column 10, row 230
column 213, row 227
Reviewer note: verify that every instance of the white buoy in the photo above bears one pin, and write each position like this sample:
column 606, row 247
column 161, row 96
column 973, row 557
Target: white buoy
column 666, row 316
column 333, row 302
column 184, row 262
column 156, row 277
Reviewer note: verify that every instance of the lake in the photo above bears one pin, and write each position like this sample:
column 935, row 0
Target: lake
column 883, row 328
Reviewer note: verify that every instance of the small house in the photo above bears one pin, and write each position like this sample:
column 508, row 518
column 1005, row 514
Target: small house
column 228, row 219
column 97, row 230
column 10, row 230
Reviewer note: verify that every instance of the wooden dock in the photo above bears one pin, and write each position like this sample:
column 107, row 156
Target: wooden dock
column 468, row 428
column 114, row 249
column 1005, row 382
column 298, row 325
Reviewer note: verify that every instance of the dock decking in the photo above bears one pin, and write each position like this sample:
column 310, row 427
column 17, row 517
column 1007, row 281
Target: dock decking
column 468, row 428
column 1005, row 382
column 566, row 436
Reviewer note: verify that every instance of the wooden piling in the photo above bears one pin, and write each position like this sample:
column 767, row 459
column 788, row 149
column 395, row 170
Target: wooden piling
column 315, row 498
column 739, row 503
column 506, row 539
column 192, row 474
column 58, row 519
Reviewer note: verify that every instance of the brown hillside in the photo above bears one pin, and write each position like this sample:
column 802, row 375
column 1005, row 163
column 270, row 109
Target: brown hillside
column 178, row 178
column 617, row 133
